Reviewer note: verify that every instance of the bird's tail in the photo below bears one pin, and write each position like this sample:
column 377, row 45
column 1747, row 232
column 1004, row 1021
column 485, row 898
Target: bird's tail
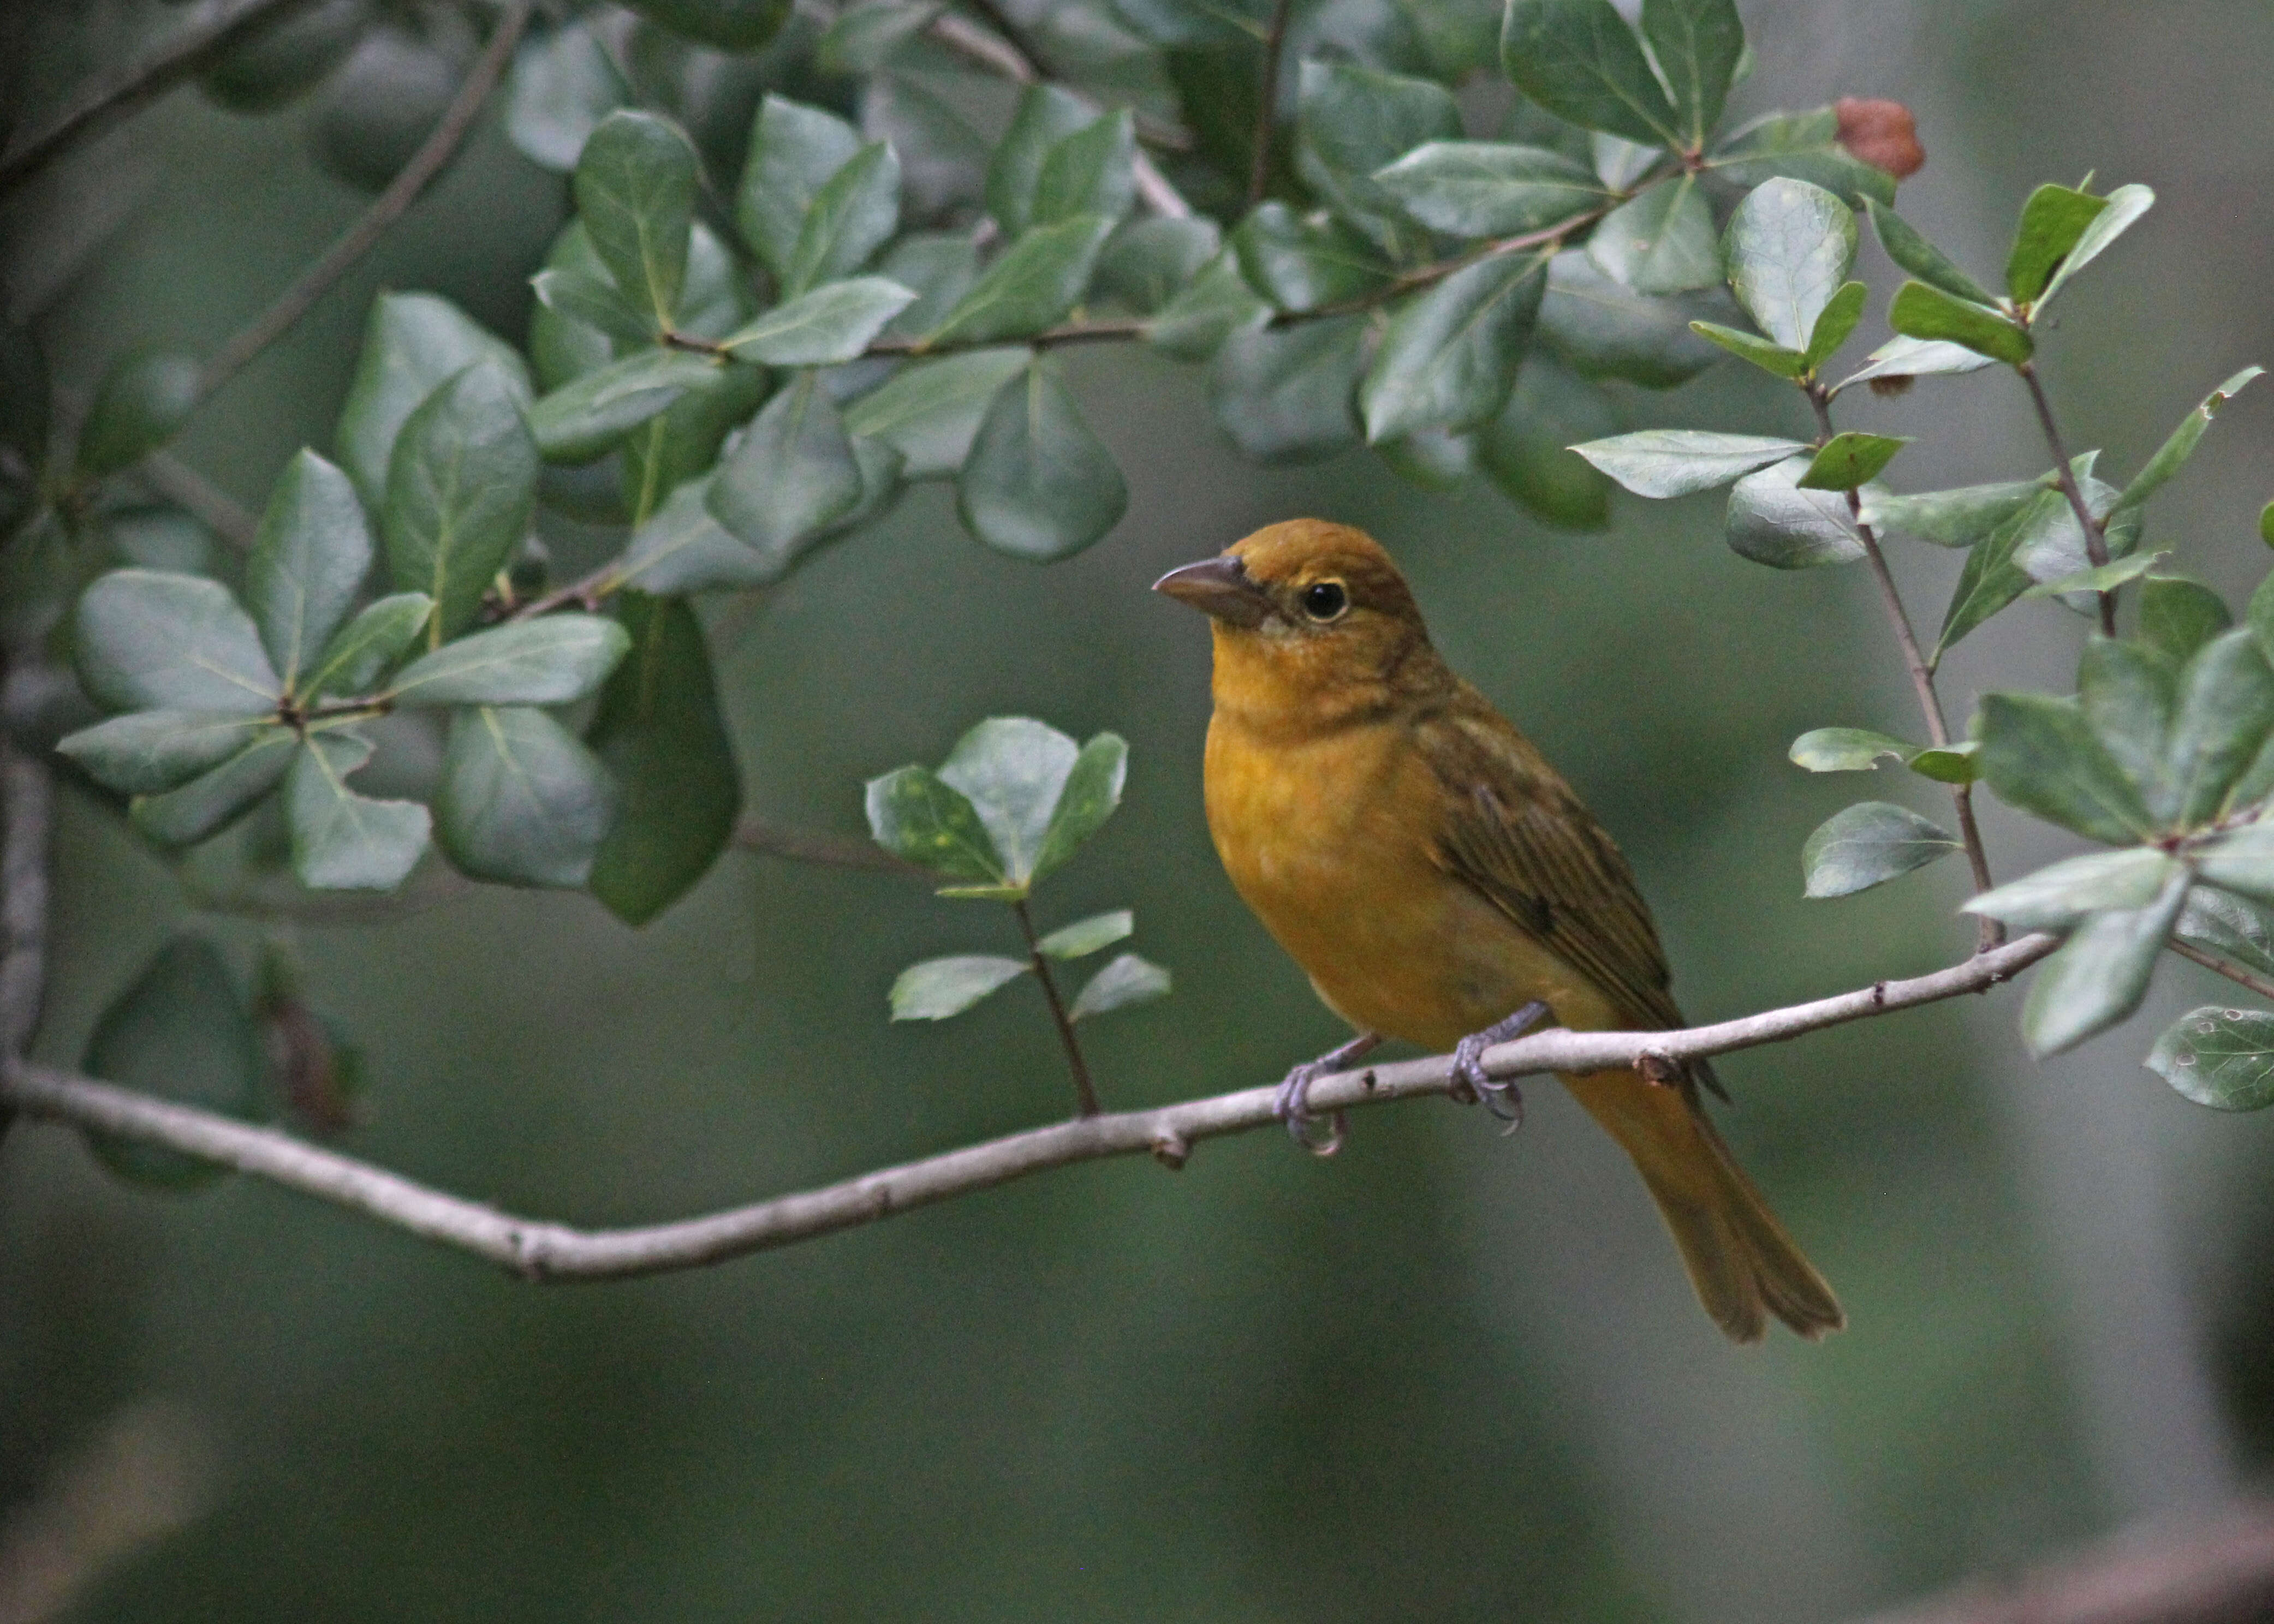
column 1741, row 1262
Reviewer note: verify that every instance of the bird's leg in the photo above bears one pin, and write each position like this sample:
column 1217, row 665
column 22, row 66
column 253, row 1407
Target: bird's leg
column 1505, row 1100
column 1292, row 1106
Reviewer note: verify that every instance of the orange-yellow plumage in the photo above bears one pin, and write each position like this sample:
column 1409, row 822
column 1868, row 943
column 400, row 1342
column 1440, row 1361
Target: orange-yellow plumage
column 1429, row 871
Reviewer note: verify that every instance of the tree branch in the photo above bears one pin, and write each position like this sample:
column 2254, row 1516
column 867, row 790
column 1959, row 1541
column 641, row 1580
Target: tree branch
column 28, row 791
column 1085, row 1091
column 2096, row 541
column 545, row 1251
column 2226, row 968
column 214, row 507
column 385, row 210
column 217, row 26
column 767, row 839
column 1267, row 111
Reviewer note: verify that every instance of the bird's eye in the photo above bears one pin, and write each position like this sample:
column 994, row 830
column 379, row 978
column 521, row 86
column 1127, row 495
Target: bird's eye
column 1325, row 600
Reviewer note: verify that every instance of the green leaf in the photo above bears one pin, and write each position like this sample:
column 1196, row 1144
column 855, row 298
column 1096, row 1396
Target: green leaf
column 916, row 815
column 1351, row 122
column 2129, row 691
column 342, row 841
column 1038, row 484
column 2058, row 897
column 282, row 55
column 683, row 441
column 794, row 149
column 1303, row 262
column 2105, row 578
column 2041, row 756
column 2178, row 616
column 522, row 802
column 943, row 159
column 1196, row 323
column 1016, row 772
column 2122, row 206
column 1835, row 323
column 1898, row 361
column 1286, row 393
column 931, row 412
column 1031, row 287
column 681, row 548
column 141, row 403
column 1867, row 845
column 1090, row 172
column 146, row 752
column 939, row 988
column 150, row 641
column 1772, row 520
column 1046, row 115
column 2052, row 220
column 2052, row 545
column 461, row 486
column 853, row 215
column 2220, row 1058
column 1527, row 449
column 561, row 86
column 940, row 266
column 1661, row 241
column 1149, row 262
column 1699, row 45
column 1911, row 251
column 309, row 560
column 1666, row 462
column 1800, row 146
column 1086, row 936
column 635, row 186
column 180, row 1033
column 1580, row 60
column 1487, row 189
column 1440, row 460
column 1089, row 795
column 1849, row 460
column 1127, row 980
column 1960, row 763
column 1773, row 359
column 2101, row 974
column 740, row 25
column 1991, row 580
column 553, row 660
column 366, row 648
column 2175, row 452
column 2242, row 860
column 2225, row 712
column 1848, row 749
column 207, row 803
column 1602, row 328
column 659, row 734
column 588, row 303
column 1922, row 312
column 1789, row 248
column 1955, row 518
column 865, row 38
column 1449, row 359
column 831, row 325
column 587, row 419
column 2228, row 927
column 792, row 477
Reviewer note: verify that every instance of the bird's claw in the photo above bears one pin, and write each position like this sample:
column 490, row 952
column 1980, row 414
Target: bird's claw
column 1292, row 1106
column 1503, row 1100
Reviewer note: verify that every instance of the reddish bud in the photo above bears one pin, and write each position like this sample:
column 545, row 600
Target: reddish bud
column 1883, row 134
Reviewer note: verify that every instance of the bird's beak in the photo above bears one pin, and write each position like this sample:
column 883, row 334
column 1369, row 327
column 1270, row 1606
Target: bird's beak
column 1218, row 587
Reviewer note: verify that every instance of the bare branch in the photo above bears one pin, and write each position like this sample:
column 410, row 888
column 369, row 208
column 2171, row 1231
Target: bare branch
column 1085, row 1091
column 2096, row 541
column 755, row 834
column 2226, row 968
column 214, row 507
column 545, row 1251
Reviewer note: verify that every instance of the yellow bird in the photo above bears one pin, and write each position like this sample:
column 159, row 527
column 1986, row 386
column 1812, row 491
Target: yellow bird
column 1440, row 882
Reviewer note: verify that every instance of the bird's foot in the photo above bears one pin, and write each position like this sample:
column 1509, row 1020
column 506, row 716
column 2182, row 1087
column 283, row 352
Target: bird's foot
column 1293, row 1108
column 1505, row 1100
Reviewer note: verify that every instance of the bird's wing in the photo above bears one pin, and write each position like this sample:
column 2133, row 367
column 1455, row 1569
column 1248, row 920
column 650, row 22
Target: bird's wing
column 1517, row 834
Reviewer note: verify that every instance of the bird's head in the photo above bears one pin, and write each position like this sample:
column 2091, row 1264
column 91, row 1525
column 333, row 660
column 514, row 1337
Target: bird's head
column 1308, row 614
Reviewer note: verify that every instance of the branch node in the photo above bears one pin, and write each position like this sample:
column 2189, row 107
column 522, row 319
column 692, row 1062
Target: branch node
column 1659, row 1067
column 1171, row 1149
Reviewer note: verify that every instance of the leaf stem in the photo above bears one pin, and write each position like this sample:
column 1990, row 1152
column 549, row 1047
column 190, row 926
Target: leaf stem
column 1085, row 1091
column 2226, row 968
column 2095, row 539
column 1267, row 107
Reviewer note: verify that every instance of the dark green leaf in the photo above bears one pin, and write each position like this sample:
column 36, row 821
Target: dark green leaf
column 366, row 648
column 1086, row 936
column 2178, row 616
column 2051, row 545
column 553, row 660
column 2058, row 897
column 1789, row 248
column 522, row 802
column 853, row 215
column 792, row 477
column 2229, row 926
column 831, row 325
column 461, row 485
column 913, row 814
column 659, row 734
column 1867, row 844
column 1287, row 394
column 1449, row 359
column 2039, row 753
column 146, row 752
column 1149, row 262
column 1047, row 114
column 1661, row 241
column 1991, row 580
column 2052, row 220
column 942, row 160
column 1835, row 323
column 931, row 412
column 1848, row 749
column 1922, row 312
column 1902, row 359
column 1772, row 520
column 1195, row 324
column 1352, row 122
column 2175, row 452
column 683, row 441
column 1697, row 45
column 143, row 399
column 2242, row 860
column 150, row 640
column 206, row 804
column 1604, row 329
column 1849, row 460
column 2225, row 712
column 1666, row 462
column 2129, row 691
column 728, row 25
column 1440, row 460
column 181, row 1033
column 2220, row 1058
column 284, row 55
column 794, row 151
column 1580, row 60
column 1960, row 763
column 1089, row 172
column 1955, row 518
column 1031, row 287
column 940, row 266
column 563, row 86
column 1771, row 359
column 1911, row 251
column 681, row 548
column 636, row 185
column 2100, row 973
column 1038, row 484
column 1527, row 449
column 2123, row 205
column 341, row 841
column 1800, row 146
column 1481, row 189
column 939, row 988
column 1088, row 795
column 865, row 38
column 2104, row 578
column 1016, row 771
column 591, row 314
column 585, row 420
column 1303, row 262
column 309, row 561
column 1127, row 980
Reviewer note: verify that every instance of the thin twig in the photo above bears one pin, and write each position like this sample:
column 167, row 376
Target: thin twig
column 216, row 26
column 1267, row 111
column 385, row 210
column 2096, row 541
column 2226, row 968
column 1085, row 1091
column 768, row 839
column 544, row 1251
column 27, row 793
column 214, row 507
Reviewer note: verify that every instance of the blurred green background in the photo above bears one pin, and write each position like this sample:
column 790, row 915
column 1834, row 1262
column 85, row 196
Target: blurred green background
column 1445, row 1375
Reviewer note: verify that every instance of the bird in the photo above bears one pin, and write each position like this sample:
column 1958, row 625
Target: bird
column 1440, row 882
